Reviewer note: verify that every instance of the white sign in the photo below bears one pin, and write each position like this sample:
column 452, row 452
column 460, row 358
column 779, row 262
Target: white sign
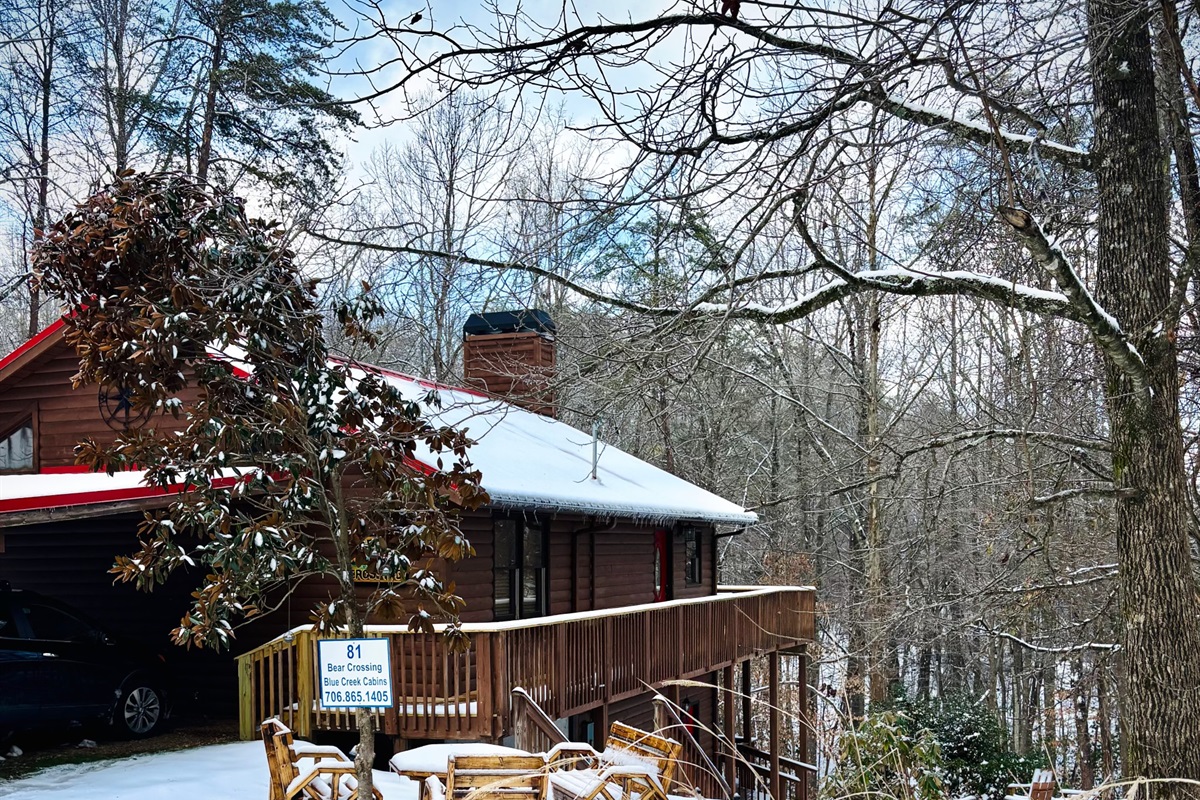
column 355, row 673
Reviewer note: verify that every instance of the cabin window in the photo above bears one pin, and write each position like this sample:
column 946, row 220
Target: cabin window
column 662, row 564
column 691, row 714
column 691, row 549
column 521, row 585
column 16, row 449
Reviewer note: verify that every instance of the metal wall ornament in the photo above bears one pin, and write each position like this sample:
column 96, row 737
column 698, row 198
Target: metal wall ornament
column 118, row 410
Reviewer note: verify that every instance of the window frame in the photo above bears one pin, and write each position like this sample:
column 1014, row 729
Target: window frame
column 693, row 560
column 26, row 417
column 518, row 571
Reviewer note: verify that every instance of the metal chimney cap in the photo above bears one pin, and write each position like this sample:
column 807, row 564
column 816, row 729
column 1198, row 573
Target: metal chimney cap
column 527, row 320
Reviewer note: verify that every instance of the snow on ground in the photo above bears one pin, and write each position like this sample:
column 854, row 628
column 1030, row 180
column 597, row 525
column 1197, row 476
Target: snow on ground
column 217, row 772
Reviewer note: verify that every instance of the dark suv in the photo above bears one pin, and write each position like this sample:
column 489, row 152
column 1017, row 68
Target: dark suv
column 58, row 667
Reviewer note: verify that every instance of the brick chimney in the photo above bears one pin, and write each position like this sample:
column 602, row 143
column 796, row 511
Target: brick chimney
column 510, row 354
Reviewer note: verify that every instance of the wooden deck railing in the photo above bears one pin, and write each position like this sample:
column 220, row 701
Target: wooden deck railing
column 568, row 663
column 754, row 775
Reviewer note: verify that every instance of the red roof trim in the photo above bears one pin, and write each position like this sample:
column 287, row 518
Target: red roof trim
column 67, row 469
column 420, row 466
column 98, row 496
column 51, row 330
column 79, row 498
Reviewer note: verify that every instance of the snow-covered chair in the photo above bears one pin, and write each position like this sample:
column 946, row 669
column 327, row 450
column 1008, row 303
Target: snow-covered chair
column 328, row 775
column 626, row 746
column 1043, row 786
column 629, row 746
column 496, row 777
column 608, row 783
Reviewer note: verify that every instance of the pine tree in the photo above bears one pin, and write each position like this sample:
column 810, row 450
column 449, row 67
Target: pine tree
column 255, row 107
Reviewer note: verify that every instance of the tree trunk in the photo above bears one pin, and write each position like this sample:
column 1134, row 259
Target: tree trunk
column 1161, row 631
column 1052, row 740
column 924, row 665
column 42, row 214
column 208, row 123
column 364, row 759
column 1083, row 736
column 1104, row 724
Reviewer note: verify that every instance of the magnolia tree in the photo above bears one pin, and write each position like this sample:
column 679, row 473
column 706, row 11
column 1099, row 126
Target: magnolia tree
column 298, row 464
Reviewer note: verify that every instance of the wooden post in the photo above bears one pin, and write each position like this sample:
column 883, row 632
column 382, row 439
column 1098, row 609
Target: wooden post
column 661, row 721
column 647, row 648
column 680, row 642
column 607, row 660
column 520, row 723
column 773, row 699
column 747, row 711
column 601, row 726
column 730, row 732
column 486, row 721
column 806, row 721
column 306, row 670
column 497, row 667
column 246, row 725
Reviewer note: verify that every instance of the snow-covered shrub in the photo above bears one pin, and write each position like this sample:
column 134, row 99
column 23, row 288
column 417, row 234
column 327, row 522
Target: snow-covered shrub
column 976, row 757
column 885, row 756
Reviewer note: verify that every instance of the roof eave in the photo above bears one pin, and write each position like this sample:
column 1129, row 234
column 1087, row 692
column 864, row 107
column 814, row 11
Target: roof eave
column 652, row 514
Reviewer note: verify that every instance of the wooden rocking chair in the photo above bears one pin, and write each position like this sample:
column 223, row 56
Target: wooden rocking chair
column 330, row 776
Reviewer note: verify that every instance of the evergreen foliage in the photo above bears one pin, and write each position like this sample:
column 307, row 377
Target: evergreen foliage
column 886, row 755
column 299, row 464
column 976, row 757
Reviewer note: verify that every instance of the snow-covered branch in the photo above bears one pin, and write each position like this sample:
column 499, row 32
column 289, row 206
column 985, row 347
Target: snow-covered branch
column 979, row 132
column 1102, row 646
column 984, row 434
column 1104, row 328
column 1079, row 491
column 897, row 281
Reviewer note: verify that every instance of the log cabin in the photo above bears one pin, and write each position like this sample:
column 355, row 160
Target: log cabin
column 595, row 584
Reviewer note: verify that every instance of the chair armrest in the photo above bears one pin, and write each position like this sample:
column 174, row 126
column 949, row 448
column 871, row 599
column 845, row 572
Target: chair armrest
column 317, row 751
column 315, row 772
column 572, row 756
column 432, row 789
column 630, row 776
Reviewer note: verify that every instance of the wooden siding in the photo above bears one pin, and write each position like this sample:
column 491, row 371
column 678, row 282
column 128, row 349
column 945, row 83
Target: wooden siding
column 64, row 415
column 591, row 565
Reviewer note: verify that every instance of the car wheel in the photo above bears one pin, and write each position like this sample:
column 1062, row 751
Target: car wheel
column 140, row 711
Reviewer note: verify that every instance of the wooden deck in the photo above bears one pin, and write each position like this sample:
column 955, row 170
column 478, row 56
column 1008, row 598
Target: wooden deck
column 568, row 663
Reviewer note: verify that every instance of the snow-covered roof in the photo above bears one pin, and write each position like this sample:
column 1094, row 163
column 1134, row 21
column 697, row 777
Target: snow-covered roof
column 528, row 461
column 532, row 461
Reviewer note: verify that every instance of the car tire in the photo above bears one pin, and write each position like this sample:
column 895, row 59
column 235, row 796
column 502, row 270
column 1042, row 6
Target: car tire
column 141, row 711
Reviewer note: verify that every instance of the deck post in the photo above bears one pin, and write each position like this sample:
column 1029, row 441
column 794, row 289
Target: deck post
column 600, row 727
column 520, row 722
column 730, row 731
column 773, row 699
column 806, row 718
column 747, row 711
column 306, row 672
column 246, row 726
